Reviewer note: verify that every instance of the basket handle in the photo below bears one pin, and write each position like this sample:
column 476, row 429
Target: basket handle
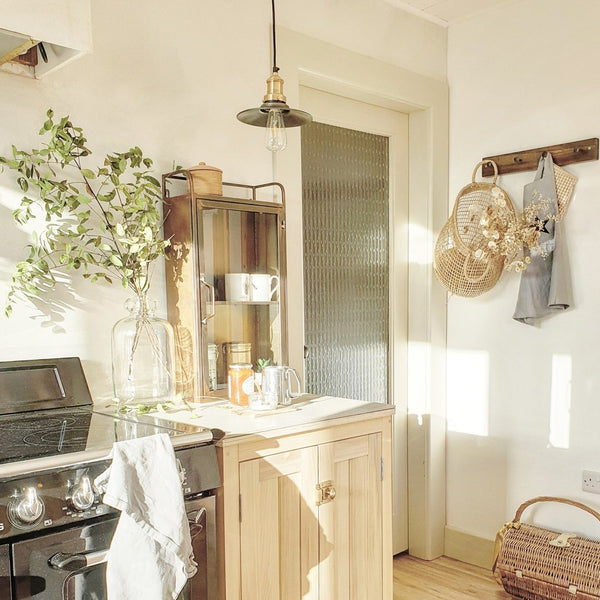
column 523, row 506
column 468, row 261
column 486, row 162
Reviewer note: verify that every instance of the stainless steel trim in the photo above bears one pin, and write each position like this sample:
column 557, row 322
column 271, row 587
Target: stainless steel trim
column 74, row 562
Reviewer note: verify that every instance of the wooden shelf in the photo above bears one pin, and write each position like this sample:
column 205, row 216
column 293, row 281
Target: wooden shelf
column 244, row 303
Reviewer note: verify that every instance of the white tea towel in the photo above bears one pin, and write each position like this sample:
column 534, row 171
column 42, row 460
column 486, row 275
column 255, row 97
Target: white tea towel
column 151, row 555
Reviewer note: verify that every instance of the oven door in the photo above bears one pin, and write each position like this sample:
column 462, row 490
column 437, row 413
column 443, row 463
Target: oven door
column 71, row 564
column 201, row 516
column 65, row 565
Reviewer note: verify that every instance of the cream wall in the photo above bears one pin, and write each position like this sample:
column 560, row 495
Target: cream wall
column 523, row 76
column 170, row 77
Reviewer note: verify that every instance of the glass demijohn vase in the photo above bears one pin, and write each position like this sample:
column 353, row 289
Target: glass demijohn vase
column 143, row 357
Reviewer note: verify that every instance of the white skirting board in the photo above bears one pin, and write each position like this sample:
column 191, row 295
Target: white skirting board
column 468, row 548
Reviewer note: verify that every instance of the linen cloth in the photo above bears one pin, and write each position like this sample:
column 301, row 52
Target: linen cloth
column 151, row 555
column 545, row 287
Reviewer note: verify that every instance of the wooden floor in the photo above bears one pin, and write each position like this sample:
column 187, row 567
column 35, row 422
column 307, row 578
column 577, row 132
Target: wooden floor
column 443, row 579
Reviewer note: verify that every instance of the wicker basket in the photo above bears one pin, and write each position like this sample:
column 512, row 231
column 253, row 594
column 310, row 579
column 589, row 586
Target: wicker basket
column 472, row 204
column 565, row 187
column 462, row 259
column 459, row 271
column 539, row 564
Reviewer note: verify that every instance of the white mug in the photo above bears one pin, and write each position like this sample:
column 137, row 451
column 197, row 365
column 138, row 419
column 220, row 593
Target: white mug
column 237, row 287
column 262, row 288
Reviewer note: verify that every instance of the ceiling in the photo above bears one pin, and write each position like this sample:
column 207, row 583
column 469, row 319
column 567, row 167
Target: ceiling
column 445, row 12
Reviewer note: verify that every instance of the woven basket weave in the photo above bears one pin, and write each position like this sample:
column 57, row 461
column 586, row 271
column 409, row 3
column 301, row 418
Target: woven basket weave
column 565, row 187
column 534, row 563
column 459, row 271
column 462, row 260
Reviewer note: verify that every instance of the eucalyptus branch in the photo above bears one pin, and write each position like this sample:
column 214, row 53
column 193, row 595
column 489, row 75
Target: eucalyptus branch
column 106, row 222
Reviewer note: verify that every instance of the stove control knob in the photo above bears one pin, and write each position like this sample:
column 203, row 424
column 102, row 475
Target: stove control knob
column 82, row 495
column 28, row 509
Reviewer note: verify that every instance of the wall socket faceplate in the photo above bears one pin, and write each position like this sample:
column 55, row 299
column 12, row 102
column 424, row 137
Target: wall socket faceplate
column 590, row 481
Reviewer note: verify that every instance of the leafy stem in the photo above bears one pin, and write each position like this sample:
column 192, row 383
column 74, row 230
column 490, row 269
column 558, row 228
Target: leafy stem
column 105, row 221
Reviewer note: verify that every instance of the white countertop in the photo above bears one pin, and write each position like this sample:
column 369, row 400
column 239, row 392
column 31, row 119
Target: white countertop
column 236, row 420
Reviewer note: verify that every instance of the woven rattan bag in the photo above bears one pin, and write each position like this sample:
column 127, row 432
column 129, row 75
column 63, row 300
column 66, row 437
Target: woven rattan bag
column 462, row 259
column 534, row 563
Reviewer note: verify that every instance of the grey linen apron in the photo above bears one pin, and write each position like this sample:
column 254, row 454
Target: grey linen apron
column 546, row 282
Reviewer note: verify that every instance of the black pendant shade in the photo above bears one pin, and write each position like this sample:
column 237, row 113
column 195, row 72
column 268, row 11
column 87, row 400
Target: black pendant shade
column 258, row 116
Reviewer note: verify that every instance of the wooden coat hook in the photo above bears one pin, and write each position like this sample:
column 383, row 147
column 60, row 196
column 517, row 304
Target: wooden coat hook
column 527, row 160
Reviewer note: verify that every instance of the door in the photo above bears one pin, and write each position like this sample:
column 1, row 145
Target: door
column 239, row 249
column 279, row 530
column 355, row 230
column 351, row 523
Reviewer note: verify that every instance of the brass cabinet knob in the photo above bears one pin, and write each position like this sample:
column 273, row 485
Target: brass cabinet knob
column 325, row 492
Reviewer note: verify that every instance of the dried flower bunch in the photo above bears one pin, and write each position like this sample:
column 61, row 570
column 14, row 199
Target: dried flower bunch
column 106, row 222
column 514, row 239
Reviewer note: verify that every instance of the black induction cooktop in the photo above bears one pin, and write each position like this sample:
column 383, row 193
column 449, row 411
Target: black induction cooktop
column 46, row 410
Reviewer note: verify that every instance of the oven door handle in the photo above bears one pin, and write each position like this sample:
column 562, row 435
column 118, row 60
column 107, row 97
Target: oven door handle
column 74, row 562
column 196, row 521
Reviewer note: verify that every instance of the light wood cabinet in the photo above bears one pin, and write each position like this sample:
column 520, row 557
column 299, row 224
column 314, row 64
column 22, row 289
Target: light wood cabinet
column 307, row 514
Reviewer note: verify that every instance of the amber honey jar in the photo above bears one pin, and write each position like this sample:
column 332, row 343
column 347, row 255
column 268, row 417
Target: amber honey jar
column 240, row 379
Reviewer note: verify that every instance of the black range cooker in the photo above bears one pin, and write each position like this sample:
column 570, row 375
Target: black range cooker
column 54, row 530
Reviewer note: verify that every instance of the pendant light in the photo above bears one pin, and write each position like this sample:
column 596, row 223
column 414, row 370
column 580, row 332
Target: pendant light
column 274, row 114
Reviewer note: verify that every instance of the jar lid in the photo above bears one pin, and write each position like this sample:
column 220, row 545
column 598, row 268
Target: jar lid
column 237, row 346
column 240, row 366
column 204, row 167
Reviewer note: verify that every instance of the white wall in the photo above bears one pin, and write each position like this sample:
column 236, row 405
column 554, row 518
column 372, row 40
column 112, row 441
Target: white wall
column 170, row 77
column 524, row 76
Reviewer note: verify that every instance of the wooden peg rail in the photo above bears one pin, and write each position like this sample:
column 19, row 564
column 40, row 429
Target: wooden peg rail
column 527, row 160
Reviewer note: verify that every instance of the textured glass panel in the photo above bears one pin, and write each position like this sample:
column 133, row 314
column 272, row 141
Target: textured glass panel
column 345, row 180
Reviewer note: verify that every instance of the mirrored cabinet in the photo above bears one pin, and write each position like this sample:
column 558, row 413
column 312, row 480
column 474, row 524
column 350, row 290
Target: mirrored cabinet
column 225, row 278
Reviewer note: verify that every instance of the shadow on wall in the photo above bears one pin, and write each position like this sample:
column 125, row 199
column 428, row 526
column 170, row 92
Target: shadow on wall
column 51, row 305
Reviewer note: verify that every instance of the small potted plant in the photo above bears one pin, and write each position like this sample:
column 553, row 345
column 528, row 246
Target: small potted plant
column 105, row 222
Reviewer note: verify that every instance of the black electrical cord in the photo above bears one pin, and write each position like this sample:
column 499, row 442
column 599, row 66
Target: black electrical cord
column 275, row 67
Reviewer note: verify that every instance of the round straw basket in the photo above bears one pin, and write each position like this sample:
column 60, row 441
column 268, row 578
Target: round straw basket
column 472, row 204
column 458, row 269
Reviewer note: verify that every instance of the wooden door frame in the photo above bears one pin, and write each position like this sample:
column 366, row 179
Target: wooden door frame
column 313, row 63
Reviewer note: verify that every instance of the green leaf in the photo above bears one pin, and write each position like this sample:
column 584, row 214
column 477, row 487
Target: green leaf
column 88, row 173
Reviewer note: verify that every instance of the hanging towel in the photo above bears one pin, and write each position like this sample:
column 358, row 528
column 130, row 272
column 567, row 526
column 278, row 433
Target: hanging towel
column 546, row 282
column 150, row 556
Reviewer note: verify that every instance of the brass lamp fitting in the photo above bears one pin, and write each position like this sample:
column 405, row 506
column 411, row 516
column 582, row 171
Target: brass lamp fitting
column 274, row 89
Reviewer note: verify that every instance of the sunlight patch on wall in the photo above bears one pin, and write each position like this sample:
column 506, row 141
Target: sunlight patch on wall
column 420, row 245
column 560, row 400
column 467, row 383
column 419, row 389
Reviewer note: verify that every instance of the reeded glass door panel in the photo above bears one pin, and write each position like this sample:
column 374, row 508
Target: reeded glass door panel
column 241, row 267
column 345, row 207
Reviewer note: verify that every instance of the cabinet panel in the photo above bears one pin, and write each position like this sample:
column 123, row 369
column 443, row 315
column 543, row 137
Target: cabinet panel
column 279, row 530
column 352, row 522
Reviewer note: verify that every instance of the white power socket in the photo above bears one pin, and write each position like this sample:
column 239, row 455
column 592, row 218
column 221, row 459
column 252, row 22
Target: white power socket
column 590, row 482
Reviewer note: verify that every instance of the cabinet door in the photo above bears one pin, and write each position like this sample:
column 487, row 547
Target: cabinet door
column 240, row 299
column 351, row 551
column 279, row 528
